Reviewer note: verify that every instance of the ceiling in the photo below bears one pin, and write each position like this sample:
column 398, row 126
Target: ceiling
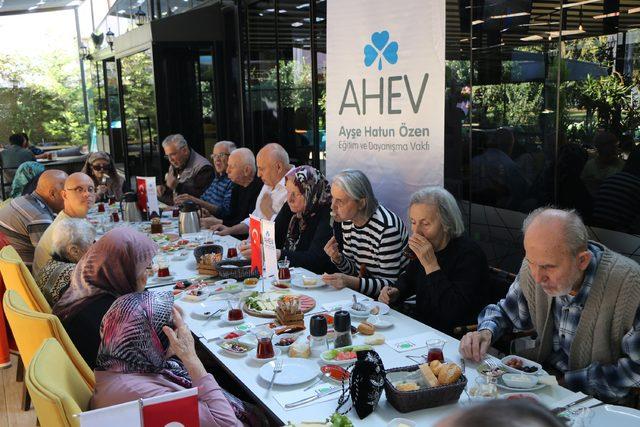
column 15, row 7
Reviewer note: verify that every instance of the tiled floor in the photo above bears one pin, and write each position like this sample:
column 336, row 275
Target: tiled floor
column 11, row 415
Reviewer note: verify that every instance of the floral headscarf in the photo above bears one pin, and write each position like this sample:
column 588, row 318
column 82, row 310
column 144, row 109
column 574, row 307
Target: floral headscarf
column 110, row 266
column 132, row 340
column 25, row 173
column 316, row 191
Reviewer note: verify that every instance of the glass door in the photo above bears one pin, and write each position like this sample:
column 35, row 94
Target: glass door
column 114, row 120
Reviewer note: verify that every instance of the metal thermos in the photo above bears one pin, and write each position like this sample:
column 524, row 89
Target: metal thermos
column 129, row 208
column 189, row 219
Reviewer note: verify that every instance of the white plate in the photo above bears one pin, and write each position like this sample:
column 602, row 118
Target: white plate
column 379, row 322
column 620, row 416
column 187, row 297
column 204, row 309
column 294, row 371
column 224, row 282
column 225, row 322
column 233, row 353
column 530, row 395
column 527, row 362
column 340, row 362
column 503, row 386
column 161, row 279
column 298, row 282
column 276, row 351
column 354, row 313
column 384, row 308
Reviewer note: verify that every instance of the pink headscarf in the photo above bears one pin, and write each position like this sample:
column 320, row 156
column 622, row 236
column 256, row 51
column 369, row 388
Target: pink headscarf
column 110, row 266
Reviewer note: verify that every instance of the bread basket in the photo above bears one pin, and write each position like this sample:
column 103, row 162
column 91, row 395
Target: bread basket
column 407, row 401
column 207, row 268
column 238, row 269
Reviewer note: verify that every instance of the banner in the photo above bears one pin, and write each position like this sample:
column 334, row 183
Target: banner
column 385, row 94
column 256, row 244
column 269, row 247
column 147, row 195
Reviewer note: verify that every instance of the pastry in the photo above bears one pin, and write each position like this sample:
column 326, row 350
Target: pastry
column 376, row 339
column 435, row 366
column 449, row 373
column 428, row 375
column 366, row 328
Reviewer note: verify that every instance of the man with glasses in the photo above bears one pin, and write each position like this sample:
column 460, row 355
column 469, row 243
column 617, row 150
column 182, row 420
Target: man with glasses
column 189, row 173
column 24, row 220
column 217, row 197
column 79, row 195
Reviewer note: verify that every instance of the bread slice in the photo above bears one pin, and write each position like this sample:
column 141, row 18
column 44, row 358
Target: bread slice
column 449, row 373
column 435, row 366
column 428, row 375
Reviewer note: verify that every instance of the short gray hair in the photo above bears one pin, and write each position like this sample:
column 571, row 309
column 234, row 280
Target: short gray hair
column 276, row 152
column 71, row 231
column 357, row 186
column 175, row 139
column 246, row 157
column 229, row 145
column 576, row 235
column 448, row 208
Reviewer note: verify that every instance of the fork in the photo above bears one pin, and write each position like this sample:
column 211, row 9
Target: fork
column 276, row 370
column 491, row 363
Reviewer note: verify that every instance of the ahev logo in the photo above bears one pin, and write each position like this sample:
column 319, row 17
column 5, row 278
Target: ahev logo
column 379, row 49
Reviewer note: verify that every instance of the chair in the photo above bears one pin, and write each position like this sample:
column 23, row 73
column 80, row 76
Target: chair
column 17, row 276
column 58, row 393
column 31, row 328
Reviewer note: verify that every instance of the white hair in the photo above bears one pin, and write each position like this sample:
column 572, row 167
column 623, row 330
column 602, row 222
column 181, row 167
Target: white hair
column 448, row 208
column 229, row 145
column 246, row 158
column 175, row 139
column 71, row 231
column 576, row 235
column 276, row 152
column 357, row 186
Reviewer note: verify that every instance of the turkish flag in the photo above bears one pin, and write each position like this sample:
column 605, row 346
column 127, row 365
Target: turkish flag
column 256, row 247
column 141, row 183
column 178, row 412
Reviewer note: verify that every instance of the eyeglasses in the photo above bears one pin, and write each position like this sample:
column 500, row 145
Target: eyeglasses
column 100, row 167
column 219, row 156
column 80, row 190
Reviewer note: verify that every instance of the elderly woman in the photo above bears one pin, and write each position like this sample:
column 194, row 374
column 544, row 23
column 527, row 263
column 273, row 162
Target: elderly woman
column 304, row 231
column 25, row 180
column 449, row 274
column 70, row 241
column 369, row 244
column 102, row 170
column 113, row 266
column 158, row 361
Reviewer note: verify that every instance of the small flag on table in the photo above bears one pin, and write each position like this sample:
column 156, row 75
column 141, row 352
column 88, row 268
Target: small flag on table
column 179, row 408
column 256, row 244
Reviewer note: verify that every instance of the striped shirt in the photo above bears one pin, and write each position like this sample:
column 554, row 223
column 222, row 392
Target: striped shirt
column 219, row 194
column 378, row 246
column 617, row 204
column 23, row 221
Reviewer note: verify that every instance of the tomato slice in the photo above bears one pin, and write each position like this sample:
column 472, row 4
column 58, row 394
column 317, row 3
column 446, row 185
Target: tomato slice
column 337, row 373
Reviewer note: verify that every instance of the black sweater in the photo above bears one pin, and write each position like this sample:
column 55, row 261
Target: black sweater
column 243, row 201
column 455, row 294
column 309, row 253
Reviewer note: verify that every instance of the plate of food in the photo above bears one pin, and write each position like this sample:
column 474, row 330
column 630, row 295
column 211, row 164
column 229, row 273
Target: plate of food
column 484, row 369
column 521, row 396
column 307, row 282
column 284, row 340
column 281, row 284
column 335, row 372
column 519, row 382
column 517, row 364
column 235, row 347
column 233, row 335
column 264, row 305
column 205, row 310
column 343, row 355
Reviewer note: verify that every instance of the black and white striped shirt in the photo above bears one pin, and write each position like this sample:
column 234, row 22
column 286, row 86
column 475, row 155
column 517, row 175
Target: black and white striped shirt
column 378, row 246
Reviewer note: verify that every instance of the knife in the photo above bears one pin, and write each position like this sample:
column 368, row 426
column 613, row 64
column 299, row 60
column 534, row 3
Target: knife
column 560, row 409
column 318, row 395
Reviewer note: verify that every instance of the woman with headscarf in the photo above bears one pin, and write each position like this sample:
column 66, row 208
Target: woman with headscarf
column 133, row 360
column 113, row 266
column 102, row 170
column 302, row 237
column 26, row 178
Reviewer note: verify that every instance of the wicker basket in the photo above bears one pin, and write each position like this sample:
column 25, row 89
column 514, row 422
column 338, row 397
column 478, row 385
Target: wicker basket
column 407, row 401
column 207, row 249
column 235, row 269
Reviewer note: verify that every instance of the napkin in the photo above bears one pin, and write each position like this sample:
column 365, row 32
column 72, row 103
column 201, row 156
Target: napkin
column 295, row 395
column 409, row 343
column 570, row 399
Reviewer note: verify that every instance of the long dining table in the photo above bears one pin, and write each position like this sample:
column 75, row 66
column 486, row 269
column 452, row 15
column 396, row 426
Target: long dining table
column 245, row 369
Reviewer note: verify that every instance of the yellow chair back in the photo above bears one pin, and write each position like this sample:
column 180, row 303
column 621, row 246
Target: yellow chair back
column 30, row 328
column 56, row 387
column 5, row 202
column 17, row 276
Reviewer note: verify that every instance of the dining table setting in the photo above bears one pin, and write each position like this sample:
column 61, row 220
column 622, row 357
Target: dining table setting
column 292, row 342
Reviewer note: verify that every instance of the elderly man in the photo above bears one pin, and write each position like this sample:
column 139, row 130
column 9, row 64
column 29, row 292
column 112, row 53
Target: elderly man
column 273, row 165
column 217, row 197
column 26, row 218
column 79, row 195
column 189, row 172
column 580, row 297
column 241, row 170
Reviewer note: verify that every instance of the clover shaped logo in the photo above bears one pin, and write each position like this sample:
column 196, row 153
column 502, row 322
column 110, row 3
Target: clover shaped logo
column 380, row 48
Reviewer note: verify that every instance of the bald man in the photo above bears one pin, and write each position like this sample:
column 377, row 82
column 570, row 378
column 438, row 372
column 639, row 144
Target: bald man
column 241, row 170
column 25, row 219
column 273, row 164
column 581, row 298
column 78, row 195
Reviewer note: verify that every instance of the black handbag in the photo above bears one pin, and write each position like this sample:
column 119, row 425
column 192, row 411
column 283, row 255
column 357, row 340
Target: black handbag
column 366, row 383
